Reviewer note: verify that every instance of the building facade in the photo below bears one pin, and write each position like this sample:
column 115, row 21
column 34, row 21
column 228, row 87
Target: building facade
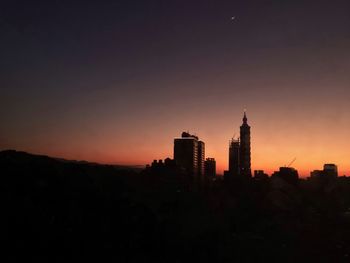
column 201, row 158
column 288, row 174
column 233, row 158
column 329, row 171
column 189, row 154
column 210, row 167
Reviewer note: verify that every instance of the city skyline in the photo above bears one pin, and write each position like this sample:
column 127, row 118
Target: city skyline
column 116, row 82
column 303, row 173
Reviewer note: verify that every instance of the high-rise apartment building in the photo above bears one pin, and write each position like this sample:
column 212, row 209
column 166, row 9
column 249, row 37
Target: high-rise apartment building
column 189, row 154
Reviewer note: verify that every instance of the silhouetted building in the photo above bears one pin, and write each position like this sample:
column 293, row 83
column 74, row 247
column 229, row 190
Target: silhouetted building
column 210, row 167
column 233, row 159
column 239, row 153
column 329, row 171
column 168, row 163
column 244, row 157
column 201, row 158
column 316, row 173
column 260, row 175
column 157, row 164
column 189, row 154
column 288, row 174
column 160, row 167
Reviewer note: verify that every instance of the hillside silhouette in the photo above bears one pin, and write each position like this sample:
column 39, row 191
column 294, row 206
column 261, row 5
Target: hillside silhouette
column 61, row 211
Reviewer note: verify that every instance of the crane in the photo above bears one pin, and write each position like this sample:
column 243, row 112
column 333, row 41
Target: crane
column 290, row 163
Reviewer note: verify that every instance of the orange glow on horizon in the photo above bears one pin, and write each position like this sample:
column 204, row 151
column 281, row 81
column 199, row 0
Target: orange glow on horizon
column 271, row 146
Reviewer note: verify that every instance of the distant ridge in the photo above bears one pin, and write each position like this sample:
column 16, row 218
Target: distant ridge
column 20, row 156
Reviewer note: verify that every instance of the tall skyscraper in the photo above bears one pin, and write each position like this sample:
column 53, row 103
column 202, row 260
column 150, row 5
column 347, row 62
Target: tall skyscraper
column 239, row 153
column 233, row 159
column 244, row 156
column 189, row 154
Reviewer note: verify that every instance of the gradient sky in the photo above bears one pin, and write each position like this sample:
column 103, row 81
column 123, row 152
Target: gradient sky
column 116, row 81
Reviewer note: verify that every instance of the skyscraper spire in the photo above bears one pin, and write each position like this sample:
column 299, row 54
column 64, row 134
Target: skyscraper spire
column 245, row 119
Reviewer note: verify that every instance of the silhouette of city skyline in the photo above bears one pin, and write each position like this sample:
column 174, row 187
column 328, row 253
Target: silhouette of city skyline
column 189, row 156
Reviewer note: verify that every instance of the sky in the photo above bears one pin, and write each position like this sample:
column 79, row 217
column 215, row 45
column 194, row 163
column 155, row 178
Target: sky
column 117, row 81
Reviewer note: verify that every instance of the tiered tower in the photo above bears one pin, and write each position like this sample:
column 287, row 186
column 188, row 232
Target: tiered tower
column 244, row 160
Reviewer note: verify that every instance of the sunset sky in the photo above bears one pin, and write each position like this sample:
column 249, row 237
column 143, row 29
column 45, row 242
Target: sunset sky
column 116, row 81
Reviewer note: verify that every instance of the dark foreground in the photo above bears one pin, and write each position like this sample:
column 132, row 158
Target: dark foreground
column 58, row 211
